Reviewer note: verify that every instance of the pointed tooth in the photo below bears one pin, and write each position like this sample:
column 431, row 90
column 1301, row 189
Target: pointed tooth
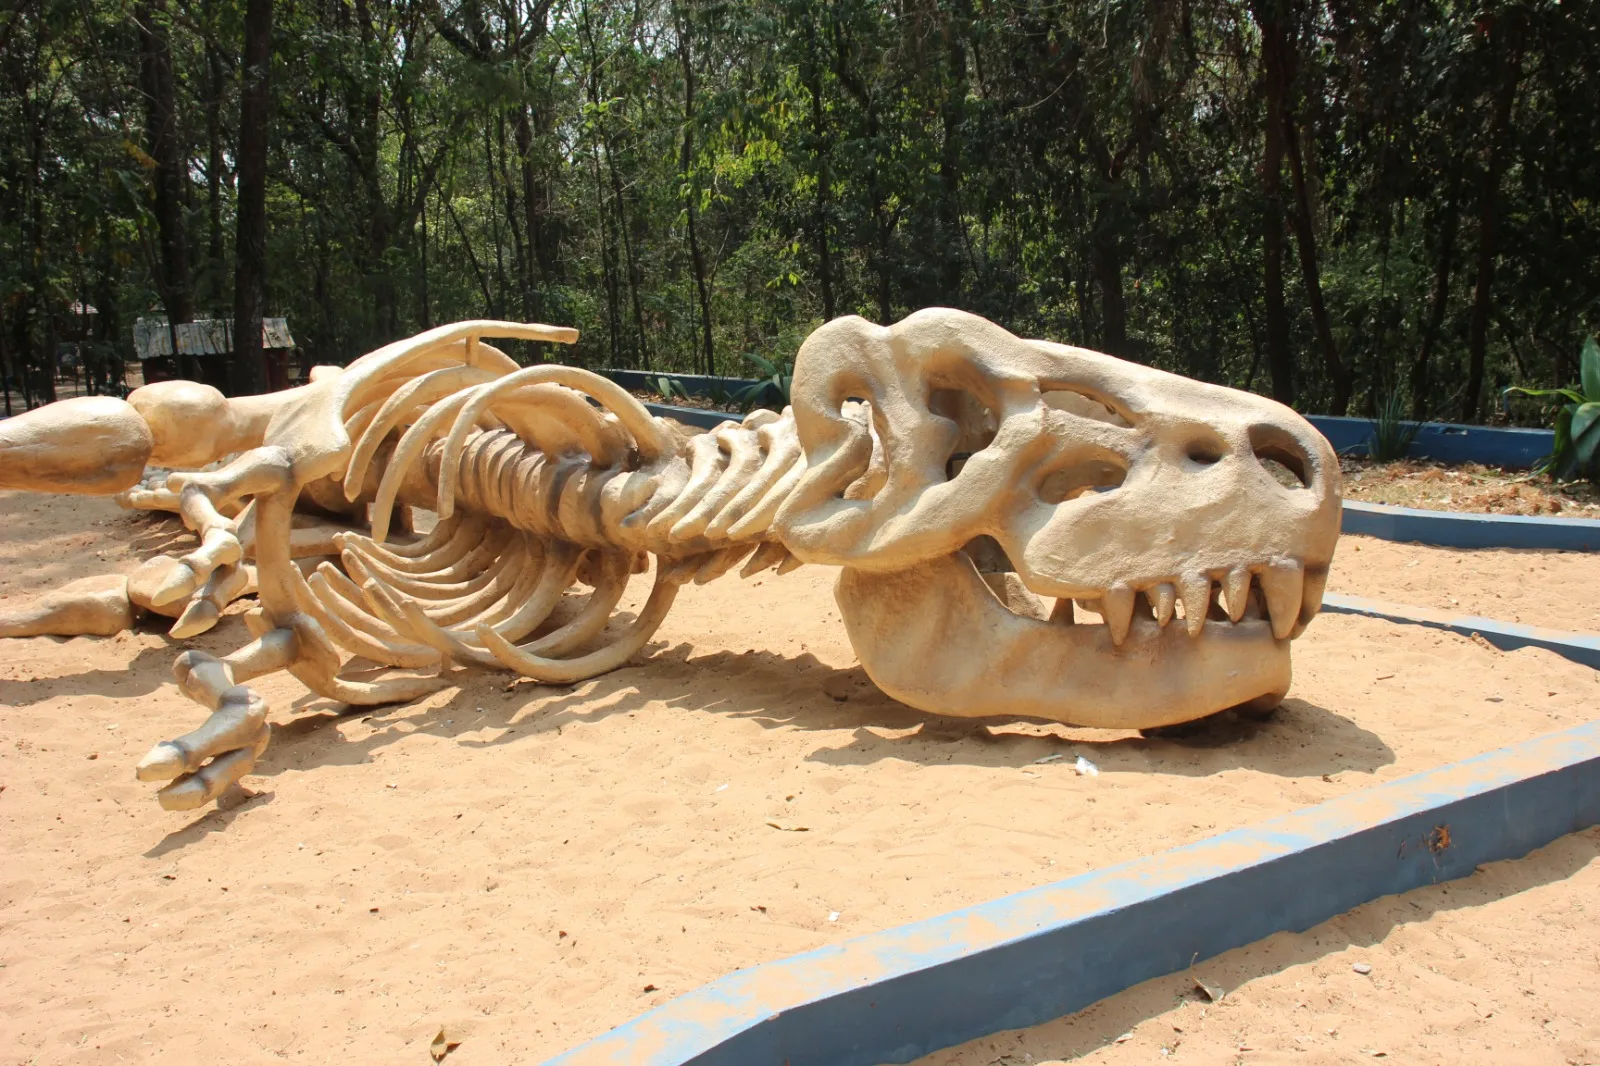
column 1281, row 582
column 1162, row 598
column 1062, row 612
column 1194, row 589
column 1236, row 588
column 1118, row 603
column 1311, row 598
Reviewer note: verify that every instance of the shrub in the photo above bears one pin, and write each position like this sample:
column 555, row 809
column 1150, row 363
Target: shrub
column 1577, row 421
column 772, row 389
column 1391, row 433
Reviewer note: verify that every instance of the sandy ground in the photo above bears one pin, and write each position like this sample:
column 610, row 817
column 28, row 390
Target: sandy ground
column 1502, row 967
column 528, row 866
column 1560, row 590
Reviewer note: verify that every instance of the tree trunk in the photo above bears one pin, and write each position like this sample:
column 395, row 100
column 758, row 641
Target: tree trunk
column 1306, row 242
column 608, row 262
column 427, row 308
column 1488, row 219
column 1280, row 361
column 821, row 147
column 531, row 194
column 625, row 225
column 497, row 305
column 952, row 116
column 1439, row 302
column 216, row 267
column 169, row 175
column 250, row 235
column 1105, row 257
column 686, row 167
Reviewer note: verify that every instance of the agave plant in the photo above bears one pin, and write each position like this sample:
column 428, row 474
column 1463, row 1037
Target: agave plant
column 772, row 389
column 1577, row 422
column 1391, row 433
column 668, row 388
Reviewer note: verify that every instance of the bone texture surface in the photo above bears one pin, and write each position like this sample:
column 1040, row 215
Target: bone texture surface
column 1023, row 529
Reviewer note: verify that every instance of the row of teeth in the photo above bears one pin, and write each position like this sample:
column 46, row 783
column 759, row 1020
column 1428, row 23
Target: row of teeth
column 1282, row 592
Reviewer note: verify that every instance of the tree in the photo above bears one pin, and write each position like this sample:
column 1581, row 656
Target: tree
column 250, row 241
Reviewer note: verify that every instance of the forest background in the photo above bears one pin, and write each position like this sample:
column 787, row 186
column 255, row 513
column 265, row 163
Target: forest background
column 1342, row 204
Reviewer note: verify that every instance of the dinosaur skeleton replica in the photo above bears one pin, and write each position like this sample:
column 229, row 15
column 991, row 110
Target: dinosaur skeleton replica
column 1024, row 529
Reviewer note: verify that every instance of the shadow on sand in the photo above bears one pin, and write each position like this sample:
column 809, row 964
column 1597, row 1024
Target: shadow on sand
column 1301, row 740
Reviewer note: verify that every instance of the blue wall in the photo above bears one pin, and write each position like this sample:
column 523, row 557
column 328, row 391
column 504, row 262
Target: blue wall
column 1514, row 449
column 1457, row 529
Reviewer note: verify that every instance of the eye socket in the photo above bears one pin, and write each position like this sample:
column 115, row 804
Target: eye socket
column 1286, row 470
column 976, row 425
column 1203, row 454
column 1282, row 456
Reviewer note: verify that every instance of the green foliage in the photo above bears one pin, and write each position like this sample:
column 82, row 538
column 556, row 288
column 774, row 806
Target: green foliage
column 1577, row 428
column 1091, row 173
column 667, row 388
column 1392, row 435
column 772, row 390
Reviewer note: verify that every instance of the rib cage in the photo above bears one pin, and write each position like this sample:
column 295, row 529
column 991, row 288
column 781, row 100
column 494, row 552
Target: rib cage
column 539, row 490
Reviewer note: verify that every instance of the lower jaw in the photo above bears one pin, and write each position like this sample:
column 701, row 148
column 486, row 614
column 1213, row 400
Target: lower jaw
column 933, row 636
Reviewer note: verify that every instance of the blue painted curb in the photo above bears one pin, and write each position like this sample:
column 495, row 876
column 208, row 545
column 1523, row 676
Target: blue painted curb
column 894, row 996
column 693, row 384
column 1446, row 442
column 1508, row 636
column 1458, row 529
column 692, row 416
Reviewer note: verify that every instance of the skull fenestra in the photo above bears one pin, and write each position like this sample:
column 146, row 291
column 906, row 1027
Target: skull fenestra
column 1022, row 528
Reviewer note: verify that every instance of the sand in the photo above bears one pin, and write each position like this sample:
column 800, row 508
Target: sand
column 1502, row 967
column 528, row 866
column 1560, row 590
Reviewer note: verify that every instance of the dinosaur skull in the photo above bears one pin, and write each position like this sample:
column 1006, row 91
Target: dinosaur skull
column 964, row 478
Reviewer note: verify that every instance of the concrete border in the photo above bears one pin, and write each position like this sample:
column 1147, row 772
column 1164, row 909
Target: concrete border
column 1509, row 636
column 894, row 996
column 1460, row 529
column 1446, row 442
column 692, row 416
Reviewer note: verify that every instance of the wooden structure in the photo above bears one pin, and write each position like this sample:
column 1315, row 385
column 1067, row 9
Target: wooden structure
column 204, row 351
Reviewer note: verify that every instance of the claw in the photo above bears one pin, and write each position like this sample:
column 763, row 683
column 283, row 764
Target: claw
column 181, row 581
column 214, row 778
column 240, row 720
column 219, row 548
column 198, row 617
column 163, row 762
column 225, row 584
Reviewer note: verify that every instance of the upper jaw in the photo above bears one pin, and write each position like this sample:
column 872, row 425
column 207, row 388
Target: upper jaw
column 1282, row 593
